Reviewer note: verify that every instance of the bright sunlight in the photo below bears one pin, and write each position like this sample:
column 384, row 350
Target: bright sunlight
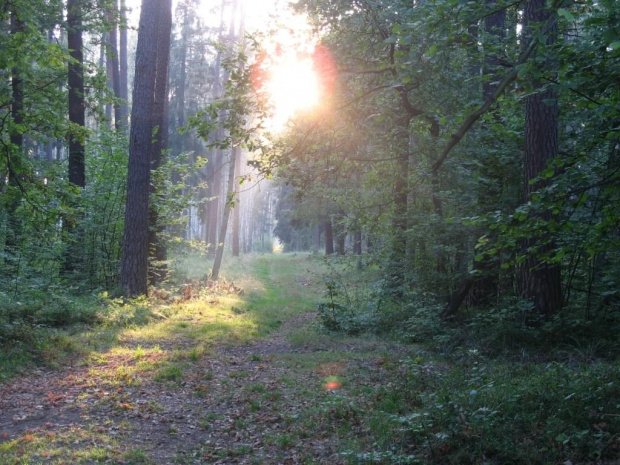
column 289, row 76
column 292, row 86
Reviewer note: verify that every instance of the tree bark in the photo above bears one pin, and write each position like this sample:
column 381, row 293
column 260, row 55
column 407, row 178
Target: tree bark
column 219, row 87
column 77, row 172
column 219, row 252
column 113, row 59
column 236, row 231
column 134, row 261
column 14, row 155
column 540, row 281
column 396, row 272
column 157, row 249
column 123, row 66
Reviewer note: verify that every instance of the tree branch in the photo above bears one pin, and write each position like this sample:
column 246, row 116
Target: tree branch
column 475, row 116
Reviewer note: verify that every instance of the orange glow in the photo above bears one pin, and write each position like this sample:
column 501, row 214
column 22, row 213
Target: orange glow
column 332, row 385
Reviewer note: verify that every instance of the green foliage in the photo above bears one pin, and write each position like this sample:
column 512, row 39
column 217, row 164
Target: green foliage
column 336, row 316
column 536, row 413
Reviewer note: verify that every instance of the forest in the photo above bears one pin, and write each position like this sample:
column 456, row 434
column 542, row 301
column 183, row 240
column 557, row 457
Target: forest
column 310, row 231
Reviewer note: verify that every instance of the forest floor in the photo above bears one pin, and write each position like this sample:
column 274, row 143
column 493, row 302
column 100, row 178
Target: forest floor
column 233, row 374
column 244, row 373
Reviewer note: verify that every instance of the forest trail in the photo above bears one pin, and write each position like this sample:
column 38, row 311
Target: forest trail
column 212, row 381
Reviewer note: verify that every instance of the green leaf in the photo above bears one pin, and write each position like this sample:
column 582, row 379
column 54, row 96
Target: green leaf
column 432, row 51
column 566, row 14
column 615, row 45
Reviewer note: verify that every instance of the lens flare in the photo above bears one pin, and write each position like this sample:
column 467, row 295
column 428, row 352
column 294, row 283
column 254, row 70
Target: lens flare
column 293, row 87
column 332, row 385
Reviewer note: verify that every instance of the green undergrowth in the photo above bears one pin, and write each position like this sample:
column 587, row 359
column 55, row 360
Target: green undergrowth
column 49, row 327
column 382, row 405
column 488, row 387
column 388, row 385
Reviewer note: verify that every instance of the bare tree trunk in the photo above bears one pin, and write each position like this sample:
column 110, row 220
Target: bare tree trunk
column 104, row 63
column 113, row 60
column 16, row 138
column 219, row 90
column 541, row 282
column 134, row 262
column 399, row 222
column 77, row 173
column 357, row 242
column 124, row 66
column 329, row 238
column 219, row 251
column 157, row 249
column 236, row 238
column 77, row 118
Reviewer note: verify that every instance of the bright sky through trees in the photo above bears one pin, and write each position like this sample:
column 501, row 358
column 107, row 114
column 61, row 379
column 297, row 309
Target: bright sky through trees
column 290, row 80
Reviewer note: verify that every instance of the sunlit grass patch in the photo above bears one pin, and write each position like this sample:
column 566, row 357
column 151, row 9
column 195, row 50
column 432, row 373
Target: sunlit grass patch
column 169, row 372
column 75, row 445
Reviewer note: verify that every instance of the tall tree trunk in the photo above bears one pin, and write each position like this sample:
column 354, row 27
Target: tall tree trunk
column 157, row 249
column 17, row 102
column 219, row 87
column 123, row 65
column 216, row 191
column 134, row 261
column 77, row 173
column 77, row 118
column 107, row 62
column 219, row 253
column 329, row 238
column 211, row 209
column 317, row 237
column 341, row 235
column 495, row 32
column 236, row 231
column 357, row 242
column 484, row 289
column 104, row 63
column 540, row 281
column 14, row 158
column 113, row 60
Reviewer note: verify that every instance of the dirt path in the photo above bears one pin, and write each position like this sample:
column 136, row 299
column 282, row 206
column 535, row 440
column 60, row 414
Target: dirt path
column 234, row 403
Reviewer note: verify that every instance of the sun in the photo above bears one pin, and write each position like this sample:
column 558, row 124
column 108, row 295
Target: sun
column 292, row 87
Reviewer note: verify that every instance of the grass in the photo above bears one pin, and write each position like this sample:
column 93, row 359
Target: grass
column 360, row 398
column 69, row 445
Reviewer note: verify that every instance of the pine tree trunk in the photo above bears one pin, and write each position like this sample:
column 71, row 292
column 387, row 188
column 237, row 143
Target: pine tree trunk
column 77, row 118
column 14, row 159
column 113, row 67
column 123, row 66
column 540, row 281
column 157, row 249
column 77, row 173
column 134, row 262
